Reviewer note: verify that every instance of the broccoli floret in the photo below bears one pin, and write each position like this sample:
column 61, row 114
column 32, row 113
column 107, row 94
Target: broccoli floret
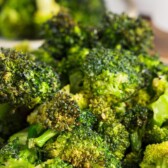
column 61, row 33
column 15, row 154
column 117, row 137
column 111, row 73
column 87, row 118
column 132, row 159
column 57, row 115
column 82, row 148
column 135, row 121
column 101, row 108
column 67, row 42
column 142, row 97
column 24, row 82
column 54, row 163
column 155, row 155
column 156, row 134
column 80, row 97
column 133, row 34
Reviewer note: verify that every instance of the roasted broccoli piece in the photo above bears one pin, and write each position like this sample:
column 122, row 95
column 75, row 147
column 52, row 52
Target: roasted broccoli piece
column 156, row 134
column 82, row 148
column 57, row 115
column 15, row 154
column 133, row 34
column 87, row 118
column 24, row 82
column 135, row 120
column 155, row 155
column 70, row 42
column 132, row 159
column 101, row 108
column 67, row 42
column 157, row 130
column 111, row 73
column 61, row 33
column 116, row 136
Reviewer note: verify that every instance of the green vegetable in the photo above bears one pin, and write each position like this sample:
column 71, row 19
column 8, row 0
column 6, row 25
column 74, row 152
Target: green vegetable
column 155, row 155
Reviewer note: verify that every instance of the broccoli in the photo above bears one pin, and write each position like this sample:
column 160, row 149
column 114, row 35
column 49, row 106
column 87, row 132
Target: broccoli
column 57, row 115
column 155, row 155
column 111, row 73
column 135, row 120
column 63, row 32
column 87, row 118
column 14, row 154
column 24, row 82
column 116, row 136
column 133, row 34
column 156, row 134
column 82, row 147
column 132, row 159
column 67, row 42
column 105, row 109
column 74, row 41
column 101, row 108
column 159, row 108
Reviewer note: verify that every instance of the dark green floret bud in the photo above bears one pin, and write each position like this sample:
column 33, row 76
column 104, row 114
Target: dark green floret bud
column 24, row 82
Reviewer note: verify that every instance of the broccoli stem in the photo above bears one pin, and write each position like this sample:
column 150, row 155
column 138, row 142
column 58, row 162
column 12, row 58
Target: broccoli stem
column 136, row 141
column 22, row 135
column 42, row 139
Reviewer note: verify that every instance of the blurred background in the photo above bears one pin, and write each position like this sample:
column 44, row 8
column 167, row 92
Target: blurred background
column 23, row 20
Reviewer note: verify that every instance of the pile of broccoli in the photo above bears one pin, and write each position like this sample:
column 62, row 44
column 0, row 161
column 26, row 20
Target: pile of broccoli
column 92, row 96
